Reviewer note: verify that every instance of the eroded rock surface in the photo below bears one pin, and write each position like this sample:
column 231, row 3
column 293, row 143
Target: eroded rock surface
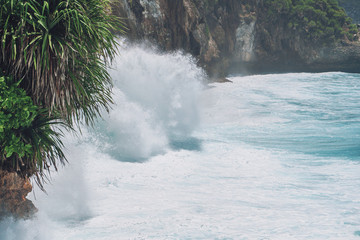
column 13, row 192
column 231, row 36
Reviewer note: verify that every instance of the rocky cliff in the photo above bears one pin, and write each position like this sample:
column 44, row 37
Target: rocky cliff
column 232, row 36
column 13, row 191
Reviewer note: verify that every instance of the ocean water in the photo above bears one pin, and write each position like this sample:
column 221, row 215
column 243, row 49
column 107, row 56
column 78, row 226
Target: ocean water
column 265, row 157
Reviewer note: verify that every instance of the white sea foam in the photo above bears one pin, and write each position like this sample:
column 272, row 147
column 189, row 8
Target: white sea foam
column 260, row 173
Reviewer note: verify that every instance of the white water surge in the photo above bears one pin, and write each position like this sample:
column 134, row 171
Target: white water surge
column 156, row 106
column 264, row 157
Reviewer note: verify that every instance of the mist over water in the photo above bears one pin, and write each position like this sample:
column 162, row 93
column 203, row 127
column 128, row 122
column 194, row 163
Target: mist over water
column 265, row 157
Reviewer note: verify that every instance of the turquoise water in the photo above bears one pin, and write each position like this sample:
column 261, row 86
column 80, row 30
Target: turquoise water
column 320, row 113
column 265, row 157
column 307, row 127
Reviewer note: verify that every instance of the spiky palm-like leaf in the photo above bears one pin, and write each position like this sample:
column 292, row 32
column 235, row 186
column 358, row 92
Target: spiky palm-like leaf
column 44, row 136
column 60, row 48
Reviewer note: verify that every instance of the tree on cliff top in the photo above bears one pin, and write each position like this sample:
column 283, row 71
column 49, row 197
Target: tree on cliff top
column 58, row 52
column 320, row 21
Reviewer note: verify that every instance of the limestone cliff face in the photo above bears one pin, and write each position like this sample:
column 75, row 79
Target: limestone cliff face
column 213, row 32
column 230, row 36
column 13, row 191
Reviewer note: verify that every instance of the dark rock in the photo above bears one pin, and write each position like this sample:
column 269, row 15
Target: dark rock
column 13, row 191
column 222, row 80
column 231, row 36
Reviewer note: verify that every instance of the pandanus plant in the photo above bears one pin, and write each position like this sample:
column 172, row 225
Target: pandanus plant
column 60, row 49
column 57, row 52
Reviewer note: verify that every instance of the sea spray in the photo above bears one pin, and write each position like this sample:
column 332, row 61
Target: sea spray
column 67, row 194
column 253, row 178
column 65, row 201
column 155, row 97
column 39, row 228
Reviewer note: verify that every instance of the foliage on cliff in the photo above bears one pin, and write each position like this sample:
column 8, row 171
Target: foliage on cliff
column 60, row 49
column 28, row 144
column 320, row 21
column 53, row 69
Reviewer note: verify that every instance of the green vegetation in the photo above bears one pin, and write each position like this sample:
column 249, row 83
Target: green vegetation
column 320, row 21
column 60, row 49
column 53, row 68
column 27, row 142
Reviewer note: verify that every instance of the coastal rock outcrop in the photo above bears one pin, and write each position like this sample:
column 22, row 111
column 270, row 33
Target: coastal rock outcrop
column 13, row 191
column 231, row 36
column 212, row 31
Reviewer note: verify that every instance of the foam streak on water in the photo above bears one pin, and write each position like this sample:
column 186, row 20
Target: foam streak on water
column 264, row 157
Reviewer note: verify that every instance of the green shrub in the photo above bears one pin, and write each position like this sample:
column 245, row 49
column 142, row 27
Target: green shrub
column 28, row 143
column 320, row 21
column 17, row 111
